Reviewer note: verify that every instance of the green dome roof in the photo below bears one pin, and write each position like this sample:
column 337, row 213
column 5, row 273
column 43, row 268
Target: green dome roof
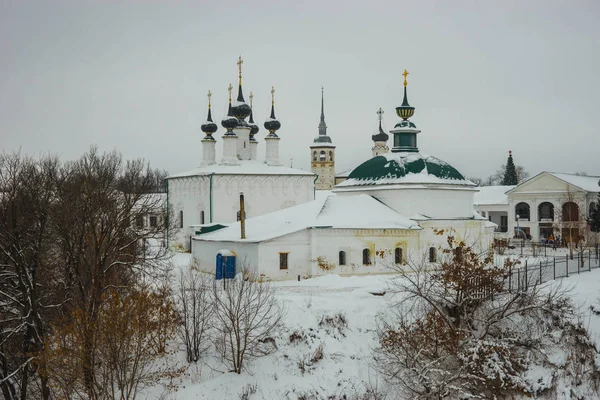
column 394, row 168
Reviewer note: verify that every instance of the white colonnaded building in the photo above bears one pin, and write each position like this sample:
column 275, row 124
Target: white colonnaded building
column 388, row 210
column 207, row 197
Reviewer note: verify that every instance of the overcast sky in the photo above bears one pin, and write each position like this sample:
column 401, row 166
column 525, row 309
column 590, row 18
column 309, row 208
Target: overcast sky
column 485, row 77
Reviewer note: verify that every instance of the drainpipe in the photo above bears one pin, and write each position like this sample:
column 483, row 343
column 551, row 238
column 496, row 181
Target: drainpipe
column 211, row 196
column 315, row 187
column 167, row 216
column 242, row 216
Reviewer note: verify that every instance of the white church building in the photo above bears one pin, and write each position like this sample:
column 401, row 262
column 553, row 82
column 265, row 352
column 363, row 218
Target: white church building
column 207, row 197
column 387, row 211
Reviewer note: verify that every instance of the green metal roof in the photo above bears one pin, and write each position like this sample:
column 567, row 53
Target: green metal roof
column 404, row 168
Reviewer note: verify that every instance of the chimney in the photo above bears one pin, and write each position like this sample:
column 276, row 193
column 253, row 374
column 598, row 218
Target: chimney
column 242, row 216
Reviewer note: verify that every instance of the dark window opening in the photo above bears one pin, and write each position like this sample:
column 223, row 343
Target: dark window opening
column 398, row 255
column 366, row 257
column 546, row 211
column 153, row 221
column 342, row 258
column 180, row 219
column 570, row 212
column 522, row 212
column 283, row 260
column 432, row 254
column 202, row 217
column 139, row 221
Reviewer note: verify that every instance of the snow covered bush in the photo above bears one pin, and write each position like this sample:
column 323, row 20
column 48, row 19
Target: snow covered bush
column 195, row 309
column 456, row 332
column 247, row 315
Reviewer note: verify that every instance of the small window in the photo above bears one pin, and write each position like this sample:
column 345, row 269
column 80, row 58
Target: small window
column 153, row 221
column 283, row 260
column 139, row 221
column 202, row 217
column 432, row 254
column 322, row 155
column 398, row 255
column 458, row 254
column 366, row 257
column 314, row 156
column 342, row 258
column 330, row 155
column 180, row 219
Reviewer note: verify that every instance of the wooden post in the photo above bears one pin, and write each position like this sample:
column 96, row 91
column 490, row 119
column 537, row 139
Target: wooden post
column 526, row 277
column 554, row 266
column 567, row 264
column 540, row 272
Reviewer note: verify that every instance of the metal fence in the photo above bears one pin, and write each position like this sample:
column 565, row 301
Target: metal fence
column 530, row 273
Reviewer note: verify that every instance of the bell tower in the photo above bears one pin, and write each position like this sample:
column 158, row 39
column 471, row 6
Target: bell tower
column 322, row 155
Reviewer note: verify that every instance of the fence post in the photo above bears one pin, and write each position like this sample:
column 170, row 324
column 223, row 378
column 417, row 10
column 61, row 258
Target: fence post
column 540, row 272
column 579, row 262
column 526, row 277
column 589, row 260
column 554, row 266
column 567, row 264
column 510, row 279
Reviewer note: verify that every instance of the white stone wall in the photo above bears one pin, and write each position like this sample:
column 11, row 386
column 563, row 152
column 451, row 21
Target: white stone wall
column 433, row 202
column 204, row 253
column 262, row 194
column 315, row 252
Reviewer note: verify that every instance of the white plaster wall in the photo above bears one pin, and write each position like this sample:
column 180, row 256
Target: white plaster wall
column 297, row 245
column 205, row 254
column 262, row 194
column 315, row 252
column 434, row 202
column 327, row 243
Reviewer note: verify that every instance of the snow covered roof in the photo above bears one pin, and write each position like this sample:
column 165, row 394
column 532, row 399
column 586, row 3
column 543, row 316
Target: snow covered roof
column 246, row 167
column 404, row 167
column 331, row 211
column 587, row 183
column 488, row 195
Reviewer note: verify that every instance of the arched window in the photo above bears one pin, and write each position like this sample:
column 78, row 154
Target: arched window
column 314, row 156
column 432, row 254
column 522, row 211
column 202, row 217
column 366, row 257
column 398, row 255
column 322, row 155
column 570, row 211
column 181, row 219
column 342, row 258
column 330, row 155
column 546, row 211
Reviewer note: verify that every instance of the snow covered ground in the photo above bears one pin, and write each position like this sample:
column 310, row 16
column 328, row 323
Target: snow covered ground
column 346, row 368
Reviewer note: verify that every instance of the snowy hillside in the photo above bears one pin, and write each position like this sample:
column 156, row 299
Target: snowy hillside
column 339, row 314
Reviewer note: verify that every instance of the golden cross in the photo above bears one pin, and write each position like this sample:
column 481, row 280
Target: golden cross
column 209, row 95
column 230, row 88
column 272, row 95
column 251, row 97
column 380, row 113
column 239, row 63
column 405, row 73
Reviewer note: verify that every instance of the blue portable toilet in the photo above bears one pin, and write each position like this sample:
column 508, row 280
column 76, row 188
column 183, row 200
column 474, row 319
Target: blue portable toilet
column 225, row 265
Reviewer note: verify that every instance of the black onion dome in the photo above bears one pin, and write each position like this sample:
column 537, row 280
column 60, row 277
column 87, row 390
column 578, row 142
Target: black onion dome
column 241, row 110
column 209, row 127
column 253, row 127
column 272, row 124
column 381, row 136
column 229, row 122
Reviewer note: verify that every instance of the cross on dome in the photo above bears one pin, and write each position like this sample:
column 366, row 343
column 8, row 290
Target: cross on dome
column 380, row 113
column 272, row 95
column 405, row 73
column 209, row 96
column 239, row 64
column 229, row 89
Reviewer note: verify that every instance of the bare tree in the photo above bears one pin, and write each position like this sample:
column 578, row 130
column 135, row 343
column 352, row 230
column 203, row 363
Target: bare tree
column 28, row 295
column 571, row 221
column 98, row 199
column 195, row 308
column 133, row 327
column 247, row 317
column 458, row 333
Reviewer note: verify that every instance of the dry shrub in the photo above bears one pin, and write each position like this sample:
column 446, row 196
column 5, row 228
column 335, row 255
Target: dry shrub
column 325, row 265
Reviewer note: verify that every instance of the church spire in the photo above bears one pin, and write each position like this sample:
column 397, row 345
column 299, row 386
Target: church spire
column 322, row 124
column 405, row 132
